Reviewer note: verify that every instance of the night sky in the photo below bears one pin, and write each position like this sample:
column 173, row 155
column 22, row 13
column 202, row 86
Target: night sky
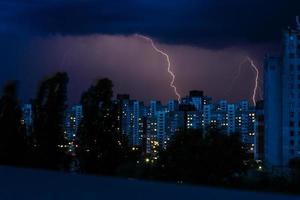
column 206, row 41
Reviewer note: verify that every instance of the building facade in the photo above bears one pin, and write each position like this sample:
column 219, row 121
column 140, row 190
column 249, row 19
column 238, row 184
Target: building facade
column 27, row 117
column 282, row 102
column 152, row 126
column 73, row 119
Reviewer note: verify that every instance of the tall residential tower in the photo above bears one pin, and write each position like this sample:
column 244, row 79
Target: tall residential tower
column 282, row 102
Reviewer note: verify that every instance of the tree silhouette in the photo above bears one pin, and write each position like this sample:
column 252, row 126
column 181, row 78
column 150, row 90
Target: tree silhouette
column 101, row 146
column 197, row 158
column 48, row 122
column 294, row 164
column 12, row 134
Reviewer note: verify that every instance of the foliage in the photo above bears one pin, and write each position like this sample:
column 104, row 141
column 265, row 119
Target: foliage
column 48, row 122
column 197, row 158
column 101, row 147
column 12, row 134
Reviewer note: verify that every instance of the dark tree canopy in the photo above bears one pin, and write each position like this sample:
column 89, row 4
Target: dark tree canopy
column 210, row 158
column 294, row 164
column 12, row 129
column 102, row 147
column 48, row 120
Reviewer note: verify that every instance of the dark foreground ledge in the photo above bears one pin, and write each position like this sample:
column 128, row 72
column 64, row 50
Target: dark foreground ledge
column 37, row 184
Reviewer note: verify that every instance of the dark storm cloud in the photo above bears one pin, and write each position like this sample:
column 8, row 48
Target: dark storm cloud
column 206, row 40
column 209, row 23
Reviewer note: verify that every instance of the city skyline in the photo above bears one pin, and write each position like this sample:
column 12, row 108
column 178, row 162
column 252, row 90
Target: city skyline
column 191, row 93
column 151, row 126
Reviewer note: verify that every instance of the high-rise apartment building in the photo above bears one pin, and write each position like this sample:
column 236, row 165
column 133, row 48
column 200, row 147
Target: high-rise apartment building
column 282, row 102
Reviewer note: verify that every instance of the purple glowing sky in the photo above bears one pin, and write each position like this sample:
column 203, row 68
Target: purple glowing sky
column 138, row 70
column 206, row 41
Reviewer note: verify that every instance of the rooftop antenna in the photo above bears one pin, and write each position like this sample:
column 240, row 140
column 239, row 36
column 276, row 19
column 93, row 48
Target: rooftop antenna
column 298, row 22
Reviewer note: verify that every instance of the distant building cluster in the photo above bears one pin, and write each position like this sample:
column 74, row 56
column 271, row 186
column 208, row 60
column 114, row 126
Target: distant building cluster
column 152, row 126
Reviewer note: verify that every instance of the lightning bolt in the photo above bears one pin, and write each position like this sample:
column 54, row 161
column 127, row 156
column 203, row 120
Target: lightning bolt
column 256, row 89
column 172, row 85
column 255, row 69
